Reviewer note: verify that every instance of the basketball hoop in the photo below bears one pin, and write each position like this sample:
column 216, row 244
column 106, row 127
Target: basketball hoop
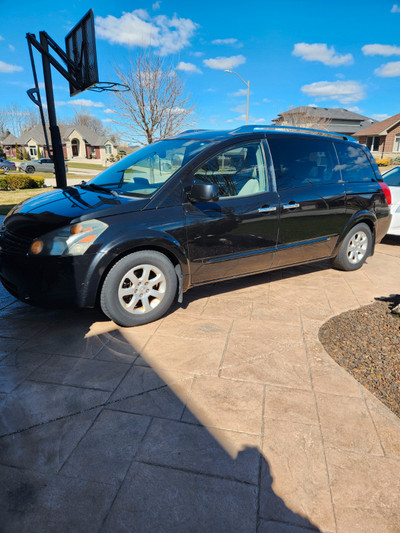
column 111, row 86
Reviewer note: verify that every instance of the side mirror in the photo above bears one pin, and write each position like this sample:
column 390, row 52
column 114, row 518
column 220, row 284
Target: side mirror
column 204, row 192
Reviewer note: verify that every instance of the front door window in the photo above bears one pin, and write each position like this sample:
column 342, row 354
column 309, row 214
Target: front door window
column 238, row 171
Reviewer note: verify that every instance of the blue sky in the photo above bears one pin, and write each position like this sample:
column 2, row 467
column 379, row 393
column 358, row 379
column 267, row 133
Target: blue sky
column 337, row 54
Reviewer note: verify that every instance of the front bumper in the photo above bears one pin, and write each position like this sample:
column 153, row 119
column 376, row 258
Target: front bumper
column 46, row 281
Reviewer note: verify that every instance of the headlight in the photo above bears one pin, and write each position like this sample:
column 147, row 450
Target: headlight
column 70, row 240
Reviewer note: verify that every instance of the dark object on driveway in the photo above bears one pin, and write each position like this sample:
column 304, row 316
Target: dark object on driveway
column 197, row 208
column 39, row 165
column 7, row 165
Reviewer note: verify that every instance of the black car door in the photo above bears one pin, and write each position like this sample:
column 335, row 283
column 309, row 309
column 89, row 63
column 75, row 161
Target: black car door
column 237, row 234
column 312, row 210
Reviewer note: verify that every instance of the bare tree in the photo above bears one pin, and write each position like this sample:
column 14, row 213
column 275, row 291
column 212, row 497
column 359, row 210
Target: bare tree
column 303, row 119
column 155, row 105
column 17, row 119
column 84, row 118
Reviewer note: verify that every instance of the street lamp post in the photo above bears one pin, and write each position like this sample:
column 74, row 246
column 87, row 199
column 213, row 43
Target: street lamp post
column 248, row 92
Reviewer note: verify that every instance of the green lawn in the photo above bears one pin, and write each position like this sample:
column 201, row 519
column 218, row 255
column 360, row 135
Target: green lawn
column 8, row 199
column 89, row 166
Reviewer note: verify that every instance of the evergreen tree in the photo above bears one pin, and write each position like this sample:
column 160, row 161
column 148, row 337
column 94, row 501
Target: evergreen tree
column 26, row 155
column 39, row 153
column 18, row 154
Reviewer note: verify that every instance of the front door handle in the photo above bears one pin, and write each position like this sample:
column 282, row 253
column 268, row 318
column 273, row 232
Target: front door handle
column 290, row 206
column 266, row 209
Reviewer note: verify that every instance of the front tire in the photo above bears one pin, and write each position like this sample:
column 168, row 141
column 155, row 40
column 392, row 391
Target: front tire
column 139, row 288
column 355, row 248
column 30, row 170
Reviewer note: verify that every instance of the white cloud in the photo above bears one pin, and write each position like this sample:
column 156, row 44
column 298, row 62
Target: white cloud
column 156, row 6
column 224, row 63
column 241, row 92
column 252, row 120
column 11, row 48
column 380, row 117
column 228, row 42
column 198, row 54
column 355, row 109
column 187, row 67
column 388, row 70
column 321, row 52
column 239, row 108
column 266, row 100
column 1, row 38
column 6, row 67
column 395, row 9
column 107, row 120
column 380, row 50
column 108, row 111
column 346, row 92
column 138, row 28
column 82, row 102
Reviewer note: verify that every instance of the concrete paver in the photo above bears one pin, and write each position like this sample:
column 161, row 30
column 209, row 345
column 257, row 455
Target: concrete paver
column 225, row 415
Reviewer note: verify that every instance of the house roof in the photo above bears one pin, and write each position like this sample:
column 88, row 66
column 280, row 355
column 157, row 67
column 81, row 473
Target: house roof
column 8, row 138
column 325, row 112
column 36, row 133
column 380, row 128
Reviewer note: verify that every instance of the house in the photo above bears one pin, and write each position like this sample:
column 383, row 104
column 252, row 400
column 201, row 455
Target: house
column 79, row 142
column 383, row 137
column 335, row 120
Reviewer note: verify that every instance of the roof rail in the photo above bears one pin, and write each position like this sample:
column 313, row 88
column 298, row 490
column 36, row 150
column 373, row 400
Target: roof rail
column 250, row 129
column 190, row 131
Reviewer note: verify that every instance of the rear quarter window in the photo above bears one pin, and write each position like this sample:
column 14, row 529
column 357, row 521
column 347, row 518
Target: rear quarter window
column 354, row 164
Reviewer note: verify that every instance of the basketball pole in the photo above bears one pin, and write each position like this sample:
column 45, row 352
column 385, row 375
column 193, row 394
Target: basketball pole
column 56, row 142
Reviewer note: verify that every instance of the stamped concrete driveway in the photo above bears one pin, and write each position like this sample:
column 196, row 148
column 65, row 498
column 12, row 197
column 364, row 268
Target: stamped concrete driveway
column 225, row 416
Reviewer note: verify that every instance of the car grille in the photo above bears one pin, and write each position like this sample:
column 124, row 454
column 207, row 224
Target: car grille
column 10, row 243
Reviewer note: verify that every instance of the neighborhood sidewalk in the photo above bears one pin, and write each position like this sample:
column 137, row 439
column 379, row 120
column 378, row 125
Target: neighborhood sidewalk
column 227, row 415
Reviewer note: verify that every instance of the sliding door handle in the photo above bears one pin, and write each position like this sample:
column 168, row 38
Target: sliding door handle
column 290, row 206
column 266, row 209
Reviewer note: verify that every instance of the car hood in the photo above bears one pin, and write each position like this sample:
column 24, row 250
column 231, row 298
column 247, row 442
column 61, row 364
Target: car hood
column 52, row 210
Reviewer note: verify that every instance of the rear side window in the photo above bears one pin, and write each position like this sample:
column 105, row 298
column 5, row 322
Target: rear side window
column 300, row 162
column 353, row 163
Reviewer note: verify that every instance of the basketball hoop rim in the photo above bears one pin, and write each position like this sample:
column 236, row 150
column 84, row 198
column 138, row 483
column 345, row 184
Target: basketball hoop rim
column 111, row 86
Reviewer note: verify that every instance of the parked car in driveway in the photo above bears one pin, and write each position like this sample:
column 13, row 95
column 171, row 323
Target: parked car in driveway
column 392, row 179
column 7, row 165
column 200, row 207
column 39, row 165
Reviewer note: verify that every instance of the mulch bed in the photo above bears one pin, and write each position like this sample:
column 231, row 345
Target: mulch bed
column 366, row 342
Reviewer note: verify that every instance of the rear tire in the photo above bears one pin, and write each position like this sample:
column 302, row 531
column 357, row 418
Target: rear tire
column 355, row 248
column 140, row 288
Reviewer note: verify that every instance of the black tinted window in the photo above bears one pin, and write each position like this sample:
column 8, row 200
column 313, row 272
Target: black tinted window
column 301, row 162
column 353, row 163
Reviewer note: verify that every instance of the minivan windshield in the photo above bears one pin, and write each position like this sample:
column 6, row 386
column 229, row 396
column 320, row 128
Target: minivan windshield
column 143, row 172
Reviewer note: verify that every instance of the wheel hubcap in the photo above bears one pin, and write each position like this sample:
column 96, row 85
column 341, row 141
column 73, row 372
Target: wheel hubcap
column 357, row 247
column 142, row 289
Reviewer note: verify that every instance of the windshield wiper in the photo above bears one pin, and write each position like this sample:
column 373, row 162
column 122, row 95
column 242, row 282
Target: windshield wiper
column 96, row 187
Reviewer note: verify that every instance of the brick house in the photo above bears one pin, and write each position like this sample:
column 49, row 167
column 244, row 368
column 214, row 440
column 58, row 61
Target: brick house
column 79, row 142
column 382, row 138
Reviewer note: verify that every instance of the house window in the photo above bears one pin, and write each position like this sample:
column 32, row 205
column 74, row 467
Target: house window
column 108, row 149
column 396, row 146
column 373, row 144
column 32, row 151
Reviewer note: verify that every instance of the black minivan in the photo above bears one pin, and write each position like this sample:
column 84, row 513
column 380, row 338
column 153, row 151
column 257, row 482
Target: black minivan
column 196, row 208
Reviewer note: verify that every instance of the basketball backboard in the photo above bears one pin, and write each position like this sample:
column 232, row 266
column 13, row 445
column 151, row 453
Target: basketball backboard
column 80, row 47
